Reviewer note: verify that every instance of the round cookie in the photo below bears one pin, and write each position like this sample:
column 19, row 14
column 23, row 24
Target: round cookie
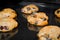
column 39, row 19
column 8, row 13
column 57, row 13
column 30, row 9
column 49, row 33
column 7, row 24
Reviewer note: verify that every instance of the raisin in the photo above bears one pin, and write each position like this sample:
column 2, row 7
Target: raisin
column 43, row 19
column 1, row 27
column 33, row 8
column 28, row 8
column 8, row 16
column 34, row 16
column 36, row 22
column 58, row 37
column 13, row 11
column 5, row 27
column 58, row 11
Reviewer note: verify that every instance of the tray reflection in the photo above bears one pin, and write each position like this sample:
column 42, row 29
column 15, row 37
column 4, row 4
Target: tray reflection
column 57, row 20
column 7, row 35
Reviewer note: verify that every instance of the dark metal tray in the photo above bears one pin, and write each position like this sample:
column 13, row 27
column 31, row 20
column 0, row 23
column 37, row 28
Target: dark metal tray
column 49, row 9
column 44, row 1
column 23, row 32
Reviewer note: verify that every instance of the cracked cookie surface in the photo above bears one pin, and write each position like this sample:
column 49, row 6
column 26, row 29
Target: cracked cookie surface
column 7, row 24
column 49, row 33
column 8, row 13
column 39, row 19
column 29, row 9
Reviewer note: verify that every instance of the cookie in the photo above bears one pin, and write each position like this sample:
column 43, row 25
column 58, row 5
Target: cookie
column 50, row 32
column 39, row 19
column 7, row 24
column 57, row 13
column 30, row 9
column 8, row 13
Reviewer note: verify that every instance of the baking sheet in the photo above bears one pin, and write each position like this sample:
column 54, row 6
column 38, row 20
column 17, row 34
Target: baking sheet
column 23, row 32
column 49, row 9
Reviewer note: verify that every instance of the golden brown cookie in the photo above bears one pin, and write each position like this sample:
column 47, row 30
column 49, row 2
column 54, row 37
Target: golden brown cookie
column 29, row 9
column 39, row 19
column 57, row 13
column 7, row 24
column 49, row 33
column 8, row 13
